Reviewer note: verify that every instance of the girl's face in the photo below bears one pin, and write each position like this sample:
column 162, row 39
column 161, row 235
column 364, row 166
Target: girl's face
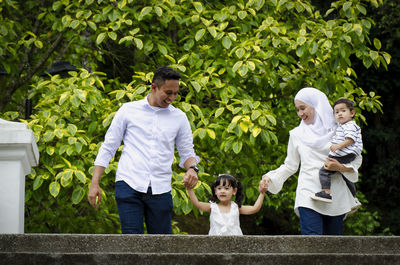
column 304, row 111
column 225, row 192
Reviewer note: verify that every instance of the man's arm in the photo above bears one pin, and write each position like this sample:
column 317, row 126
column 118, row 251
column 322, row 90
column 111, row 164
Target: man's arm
column 95, row 190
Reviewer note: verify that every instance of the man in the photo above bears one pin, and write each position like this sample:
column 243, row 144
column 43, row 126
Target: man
column 149, row 129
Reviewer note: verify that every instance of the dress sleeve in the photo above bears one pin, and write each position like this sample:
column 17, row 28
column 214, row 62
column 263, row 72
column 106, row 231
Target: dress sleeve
column 355, row 164
column 287, row 169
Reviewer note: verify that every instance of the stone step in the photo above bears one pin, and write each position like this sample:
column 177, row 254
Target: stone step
column 196, row 249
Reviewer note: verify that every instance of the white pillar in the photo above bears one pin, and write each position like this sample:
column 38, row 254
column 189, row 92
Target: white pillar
column 18, row 153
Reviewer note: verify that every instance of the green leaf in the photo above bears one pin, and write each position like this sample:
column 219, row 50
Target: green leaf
column 211, row 134
column 145, row 11
column 196, row 86
column 139, row 43
column 346, row 6
column 236, row 66
column 242, row 14
column 38, row 182
column 54, row 188
column 66, row 178
column 50, row 150
column 186, row 106
column 77, row 195
column 377, row 44
column 112, row 35
column 162, row 49
column 48, row 136
column 255, row 115
column 237, row 147
column 100, row 38
column 256, row 131
column 239, row 52
column 218, row 112
column 199, row 34
column 212, row 31
column 198, row 6
column 80, row 176
column 158, row 11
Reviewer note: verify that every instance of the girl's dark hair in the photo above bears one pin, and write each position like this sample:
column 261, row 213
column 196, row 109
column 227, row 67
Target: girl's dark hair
column 226, row 179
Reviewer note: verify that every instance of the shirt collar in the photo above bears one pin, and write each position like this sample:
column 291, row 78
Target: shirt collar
column 146, row 103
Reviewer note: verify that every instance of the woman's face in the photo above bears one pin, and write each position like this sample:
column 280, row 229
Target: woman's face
column 304, row 111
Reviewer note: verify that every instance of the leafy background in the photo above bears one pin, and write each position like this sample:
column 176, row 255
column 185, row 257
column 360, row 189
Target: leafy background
column 242, row 63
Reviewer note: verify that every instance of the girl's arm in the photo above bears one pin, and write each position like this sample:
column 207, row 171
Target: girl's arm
column 202, row 206
column 247, row 209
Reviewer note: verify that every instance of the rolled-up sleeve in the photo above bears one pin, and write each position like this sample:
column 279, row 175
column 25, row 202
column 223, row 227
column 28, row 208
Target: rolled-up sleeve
column 184, row 142
column 112, row 140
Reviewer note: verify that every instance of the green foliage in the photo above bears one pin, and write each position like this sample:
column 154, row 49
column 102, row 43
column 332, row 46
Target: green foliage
column 242, row 62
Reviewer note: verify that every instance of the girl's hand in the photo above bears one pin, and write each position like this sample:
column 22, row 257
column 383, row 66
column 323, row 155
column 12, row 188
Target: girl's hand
column 263, row 185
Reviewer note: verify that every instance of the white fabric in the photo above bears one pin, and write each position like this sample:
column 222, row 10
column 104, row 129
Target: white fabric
column 317, row 134
column 348, row 130
column 149, row 135
column 225, row 224
column 308, row 180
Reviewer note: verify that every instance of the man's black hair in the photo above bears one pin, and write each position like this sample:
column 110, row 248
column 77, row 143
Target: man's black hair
column 165, row 73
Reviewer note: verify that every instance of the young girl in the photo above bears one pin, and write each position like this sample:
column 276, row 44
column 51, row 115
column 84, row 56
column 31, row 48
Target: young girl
column 224, row 217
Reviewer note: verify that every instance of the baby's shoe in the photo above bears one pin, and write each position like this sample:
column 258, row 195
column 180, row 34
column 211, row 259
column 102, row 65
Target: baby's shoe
column 322, row 196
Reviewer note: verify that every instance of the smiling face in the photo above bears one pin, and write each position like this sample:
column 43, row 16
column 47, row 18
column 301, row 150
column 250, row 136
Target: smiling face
column 224, row 191
column 165, row 94
column 304, row 111
column 342, row 113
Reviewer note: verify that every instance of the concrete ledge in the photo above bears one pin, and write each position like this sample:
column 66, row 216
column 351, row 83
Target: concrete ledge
column 197, row 249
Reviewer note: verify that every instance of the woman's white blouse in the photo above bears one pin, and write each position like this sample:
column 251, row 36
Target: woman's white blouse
column 310, row 161
column 225, row 224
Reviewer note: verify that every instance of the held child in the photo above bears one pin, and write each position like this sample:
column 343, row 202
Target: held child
column 224, row 217
column 346, row 146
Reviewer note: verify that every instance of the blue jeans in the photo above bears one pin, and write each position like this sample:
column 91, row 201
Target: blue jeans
column 133, row 206
column 314, row 223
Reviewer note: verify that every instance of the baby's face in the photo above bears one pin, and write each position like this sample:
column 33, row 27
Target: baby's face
column 342, row 113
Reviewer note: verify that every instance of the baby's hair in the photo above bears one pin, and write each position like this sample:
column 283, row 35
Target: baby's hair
column 346, row 101
column 226, row 179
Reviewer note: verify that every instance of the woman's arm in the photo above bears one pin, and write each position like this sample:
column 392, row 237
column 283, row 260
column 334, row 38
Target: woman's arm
column 350, row 170
column 202, row 206
column 274, row 179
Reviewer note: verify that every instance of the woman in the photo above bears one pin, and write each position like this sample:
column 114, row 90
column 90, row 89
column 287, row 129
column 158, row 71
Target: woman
column 309, row 146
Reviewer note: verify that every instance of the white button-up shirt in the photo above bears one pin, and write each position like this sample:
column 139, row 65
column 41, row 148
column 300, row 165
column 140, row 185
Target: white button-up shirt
column 149, row 135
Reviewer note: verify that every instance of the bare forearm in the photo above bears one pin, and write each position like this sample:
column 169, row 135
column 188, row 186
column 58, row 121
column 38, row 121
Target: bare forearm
column 190, row 162
column 97, row 173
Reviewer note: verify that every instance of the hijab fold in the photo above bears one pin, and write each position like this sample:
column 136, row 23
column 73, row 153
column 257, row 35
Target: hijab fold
column 320, row 132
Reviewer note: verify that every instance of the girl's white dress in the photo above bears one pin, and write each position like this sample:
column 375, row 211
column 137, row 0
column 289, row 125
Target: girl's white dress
column 225, row 224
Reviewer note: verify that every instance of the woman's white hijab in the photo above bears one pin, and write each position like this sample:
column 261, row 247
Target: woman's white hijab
column 319, row 133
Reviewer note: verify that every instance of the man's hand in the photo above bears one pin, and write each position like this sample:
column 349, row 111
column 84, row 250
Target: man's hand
column 190, row 179
column 94, row 195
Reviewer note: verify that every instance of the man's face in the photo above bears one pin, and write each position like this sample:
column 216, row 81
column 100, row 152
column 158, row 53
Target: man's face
column 166, row 94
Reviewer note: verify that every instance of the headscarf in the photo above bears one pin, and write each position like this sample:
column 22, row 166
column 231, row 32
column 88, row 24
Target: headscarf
column 320, row 132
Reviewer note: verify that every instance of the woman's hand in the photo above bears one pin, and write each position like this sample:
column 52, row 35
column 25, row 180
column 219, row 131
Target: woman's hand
column 334, row 165
column 263, row 185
